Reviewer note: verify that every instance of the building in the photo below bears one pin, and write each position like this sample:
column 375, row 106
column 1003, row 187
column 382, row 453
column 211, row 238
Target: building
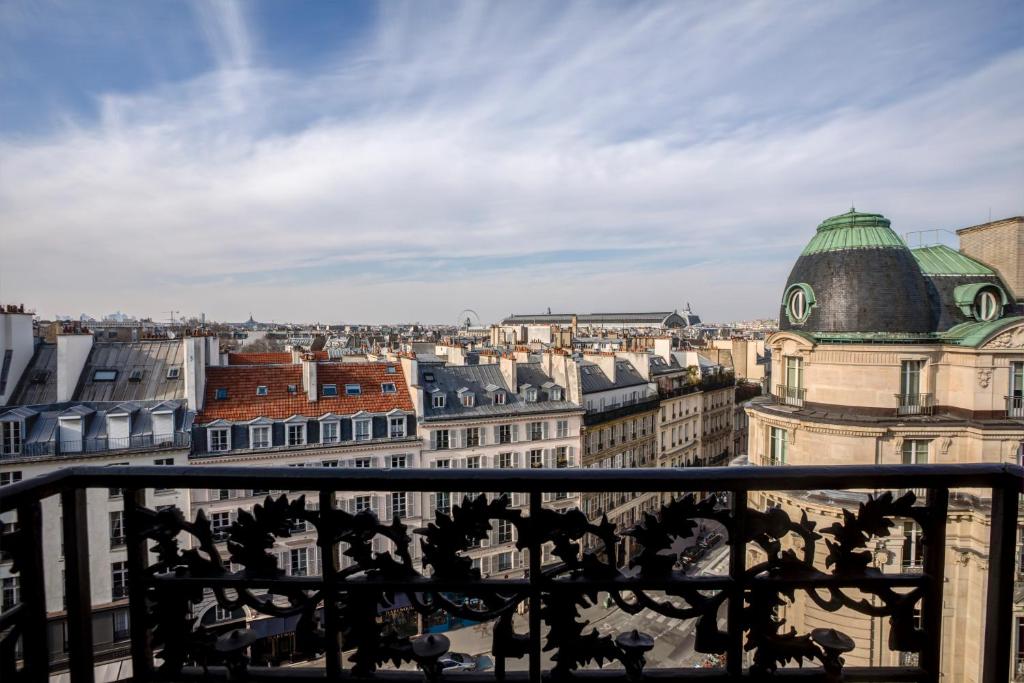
column 892, row 355
column 560, row 329
column 506, row 413
column 307, row 414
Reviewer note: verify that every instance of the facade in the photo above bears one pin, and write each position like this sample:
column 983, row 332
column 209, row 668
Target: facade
column 717, row 419
column 506, row 415
column 888, row 355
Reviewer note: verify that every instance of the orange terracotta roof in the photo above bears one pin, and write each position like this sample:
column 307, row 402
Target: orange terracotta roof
column 242, row 402
column 271, row 358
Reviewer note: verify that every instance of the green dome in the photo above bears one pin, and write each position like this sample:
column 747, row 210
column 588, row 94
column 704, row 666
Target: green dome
column 853, row 230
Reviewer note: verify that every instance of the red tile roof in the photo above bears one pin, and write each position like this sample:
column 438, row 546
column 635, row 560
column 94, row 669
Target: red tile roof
column 268, row 358
column 242, row 402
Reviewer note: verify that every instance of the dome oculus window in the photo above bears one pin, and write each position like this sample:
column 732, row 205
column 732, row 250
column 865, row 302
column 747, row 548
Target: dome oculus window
column 799, row 301
column 986, row 306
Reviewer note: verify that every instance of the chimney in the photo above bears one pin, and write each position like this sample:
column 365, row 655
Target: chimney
column 212, row 350
column 999, row 245
column 296, row 355
column 605, row 360
column 507, row 363
column 641, row 360
column 411, row 370
column 72, row 352
column 15, row 336
column 309, row 384
column 194, row 351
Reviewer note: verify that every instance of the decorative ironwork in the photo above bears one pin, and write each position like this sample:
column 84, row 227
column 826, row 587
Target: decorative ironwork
column 182, row 561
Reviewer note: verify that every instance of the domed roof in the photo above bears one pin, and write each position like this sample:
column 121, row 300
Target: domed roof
column 856, row 275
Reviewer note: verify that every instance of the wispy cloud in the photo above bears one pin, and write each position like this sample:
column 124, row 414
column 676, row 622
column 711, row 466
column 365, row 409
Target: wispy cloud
column 511, row 157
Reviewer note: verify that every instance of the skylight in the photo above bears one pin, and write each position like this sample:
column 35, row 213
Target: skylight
column 353, row 390
column 173, row 373
column 330, row 390
column 261, row 390
column 388, row 388
column 104, row 376
column 221, row 393
column 428, row 377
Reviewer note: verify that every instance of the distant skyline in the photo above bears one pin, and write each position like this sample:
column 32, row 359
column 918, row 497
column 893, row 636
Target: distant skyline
column 404, row 161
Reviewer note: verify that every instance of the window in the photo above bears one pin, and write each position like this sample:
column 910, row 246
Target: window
column 443, row 464
column 362, row 430
column 444, row 502
column 9, row 477
column 396, row 427
column 118, row 580
column 503, row 561
column 531, row 395
column 473, row 462
column 298, row 561
column 794, row 372
column 5, row 370
column 220, row 523
column 467, row 399
column 915, row 452
column 329, row 390
column 122, row 625
column 220, row 494
column 329, row 463
column 504, row 531
column 910, row 377
column 293, row 389
column 329, row 432
column 116, row 528
column 221, row 393
column 173, row 373
column 1015, row 399
column 391, row 369
column 104, row 375
column 437, row 400
column 296, row 435
column 778, row 447
column 261, row 390
column 535, row 430
column 562, row 456
column 536, row 458
column 799, row 301
column 388, row 388
column 987, row 306
column 362, row 463
column 399, row 461
column 504, row 460
column 353, row 390
column 505, row 434
column 499, row 398
column 913, row 549
column 362, row 503
column 562, row 428
column 441, row 440
column 472, row 437
column 428, row 377
column 398, row 505
column 11, row 593
column 556, row 394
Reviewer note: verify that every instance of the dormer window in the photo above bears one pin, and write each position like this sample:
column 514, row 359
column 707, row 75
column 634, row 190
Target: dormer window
column 330, row 390
column 428, row 377
column 437, row 400
column 467, row 399
column 11, row 443
column 799, row 300
column 261, row 390
column 531, row 395
column 221, row 394
column 388, row 388
column 173, row 373
column 987, row 306
column 104, row 375
column 136, row 375
column 556, row 394
column 362, row 429
column 499, row 398
column 353, row 390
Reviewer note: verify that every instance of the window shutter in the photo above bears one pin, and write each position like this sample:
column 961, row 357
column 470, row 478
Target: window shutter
column 572, row 456
column 375, row 505
column 485, row 461
column 461, row 463
column 548, row 458
column 412, row 504
column 433, row 439
column 385, row 507
column 431, row 512
column 517, row 460
column 486, row 541
column 517, row 499
column 497, row 433
column 483, row 436
column 485, row 566
column 516, row 561
column 515, row 433
column 544, row 429
column 492, row 535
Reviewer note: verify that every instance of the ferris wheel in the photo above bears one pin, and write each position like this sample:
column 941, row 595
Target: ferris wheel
column 468, row 318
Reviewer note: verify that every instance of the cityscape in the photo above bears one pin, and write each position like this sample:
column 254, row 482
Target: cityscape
column 254, row 426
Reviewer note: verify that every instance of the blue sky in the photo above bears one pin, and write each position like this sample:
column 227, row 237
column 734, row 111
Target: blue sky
column 371, row 162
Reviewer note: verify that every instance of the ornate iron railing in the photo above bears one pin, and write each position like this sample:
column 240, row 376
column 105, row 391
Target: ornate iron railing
column 1015, row 406
column 914, row 404
column 790, row 396
column 101, row 444
column 172, row 559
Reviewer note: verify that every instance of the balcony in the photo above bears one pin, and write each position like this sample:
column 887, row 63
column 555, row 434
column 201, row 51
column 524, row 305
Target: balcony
column 790, row 396
column 1015, row 406
column 166, row 574
column 102, row 444
column 623, row 409
column 914, row 404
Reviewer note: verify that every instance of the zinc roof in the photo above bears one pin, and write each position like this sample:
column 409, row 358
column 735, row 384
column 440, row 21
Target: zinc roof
column 942, row 260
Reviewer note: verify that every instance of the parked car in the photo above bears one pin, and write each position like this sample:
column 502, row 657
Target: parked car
column 458, row 661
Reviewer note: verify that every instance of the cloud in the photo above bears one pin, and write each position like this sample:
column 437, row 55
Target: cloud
column 509, row 158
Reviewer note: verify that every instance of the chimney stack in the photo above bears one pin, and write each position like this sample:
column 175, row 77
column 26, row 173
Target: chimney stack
column 309, row 384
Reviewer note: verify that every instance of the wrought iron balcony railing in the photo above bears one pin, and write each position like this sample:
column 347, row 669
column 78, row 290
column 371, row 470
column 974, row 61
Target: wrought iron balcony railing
column 790, row 396
column 173, row 559
column 1015, row 406
column 914, row 404
column 100, row 444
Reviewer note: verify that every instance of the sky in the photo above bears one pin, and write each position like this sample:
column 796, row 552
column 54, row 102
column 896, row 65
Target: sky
column 372, row 162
